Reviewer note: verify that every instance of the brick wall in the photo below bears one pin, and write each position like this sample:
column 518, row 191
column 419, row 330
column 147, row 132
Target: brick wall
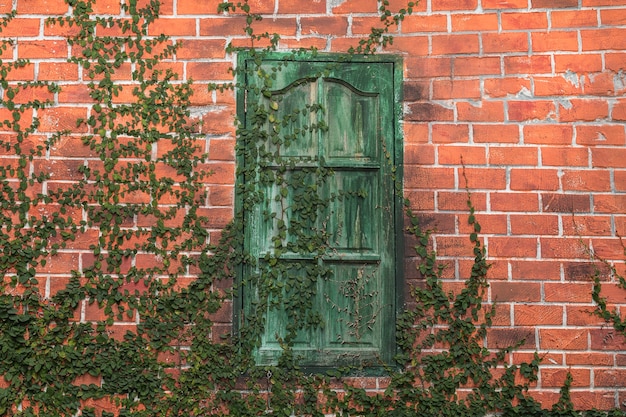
column 527, row 94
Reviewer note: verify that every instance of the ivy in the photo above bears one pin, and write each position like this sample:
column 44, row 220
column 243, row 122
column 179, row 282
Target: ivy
column 131, row 330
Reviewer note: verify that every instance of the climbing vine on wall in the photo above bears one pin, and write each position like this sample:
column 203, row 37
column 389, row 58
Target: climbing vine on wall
column 154, row 276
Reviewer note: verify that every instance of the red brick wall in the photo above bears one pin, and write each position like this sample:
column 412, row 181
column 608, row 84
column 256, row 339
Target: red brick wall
column 528, row 94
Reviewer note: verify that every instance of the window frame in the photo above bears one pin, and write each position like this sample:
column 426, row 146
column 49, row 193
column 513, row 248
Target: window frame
column 397, row 160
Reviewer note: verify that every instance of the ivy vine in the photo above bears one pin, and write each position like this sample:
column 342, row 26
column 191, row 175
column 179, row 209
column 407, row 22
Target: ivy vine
column 152, row 274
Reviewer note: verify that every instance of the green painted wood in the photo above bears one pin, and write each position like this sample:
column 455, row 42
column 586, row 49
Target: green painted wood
column 354, row 104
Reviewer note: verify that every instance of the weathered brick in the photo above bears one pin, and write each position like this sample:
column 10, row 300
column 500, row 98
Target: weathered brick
column 512, row 247
column 524, row 20
column 522, row 65
column 456, row 155
column 514, row 202
column 481, row 111
column 531, row 224
column 450, row 133
column 495, row 133
column 534, row 179
column 570, row 339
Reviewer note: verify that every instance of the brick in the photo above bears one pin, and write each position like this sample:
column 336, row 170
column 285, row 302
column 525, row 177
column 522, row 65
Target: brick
column 602, row 135
column 456, row 155
column 42, row 49
column 456, row 89
column 567, row 84
column 614, row 61
column 364, row 25
column 201, row 49
column 554, row 4
column 492, row 223
column 303, row 43
column 535, row 270
column 609, row 377
column 619, row 110
column 506, row 337
column 610, row 249
column 485, row 178
column 486, row 133
column 420, row 200
column 583, row 110
column 429, row 67
column 468, row 66
column 219, row 122
column 482, row 111
column 438, row 222
column 536, row 64
column 606, row 83
column 504, row 4
column 192, row 7
column 567, row 292
column 221, row 26
column 428, row 178
column 221, row 173
column 565, row 203
column 513, row 155
column 587, row 225
column 562, row 248
column 598, row 399
column 578, row 63
column 506, row 42
column 419, row 154
column 563, row 339
column 534, row 179
column 529, row 224
column 450, row 133
column 173, row 27
column 415, row 132
column 565, row 156
column 555, row 377
column 608, row 158
column 515, row 291
column 607, row 339
column 535, row 110
column 588, row 358
column 428, row 112
column 455, row 44
column 54, row 71
column 61, row 118
column 454, row 246
column 583, row 316
column 297, row 6
column 213, row 71
column 414, row 45
column 502, row 87
column 554, row 41
column 514, row 202
column 425, row 23
column 446, row 5
column 463, row 22
column 524, row 20
column 512, row 247
column 587, row 180
column 325, row 24
column 603, row 39
column 416, row 90
column 21, row 27
column 548, row 134
column 573, row 19
column 457, row 201
column 349, row 6
column 50, row 7
column 609, row 203
column 620, row 180
column 613, row 17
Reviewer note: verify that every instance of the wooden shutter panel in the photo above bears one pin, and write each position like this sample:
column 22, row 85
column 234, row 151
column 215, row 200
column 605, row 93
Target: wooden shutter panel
column 356, row 300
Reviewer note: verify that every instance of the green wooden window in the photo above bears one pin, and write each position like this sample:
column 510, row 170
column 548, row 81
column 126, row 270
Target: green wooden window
column 328, row 181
